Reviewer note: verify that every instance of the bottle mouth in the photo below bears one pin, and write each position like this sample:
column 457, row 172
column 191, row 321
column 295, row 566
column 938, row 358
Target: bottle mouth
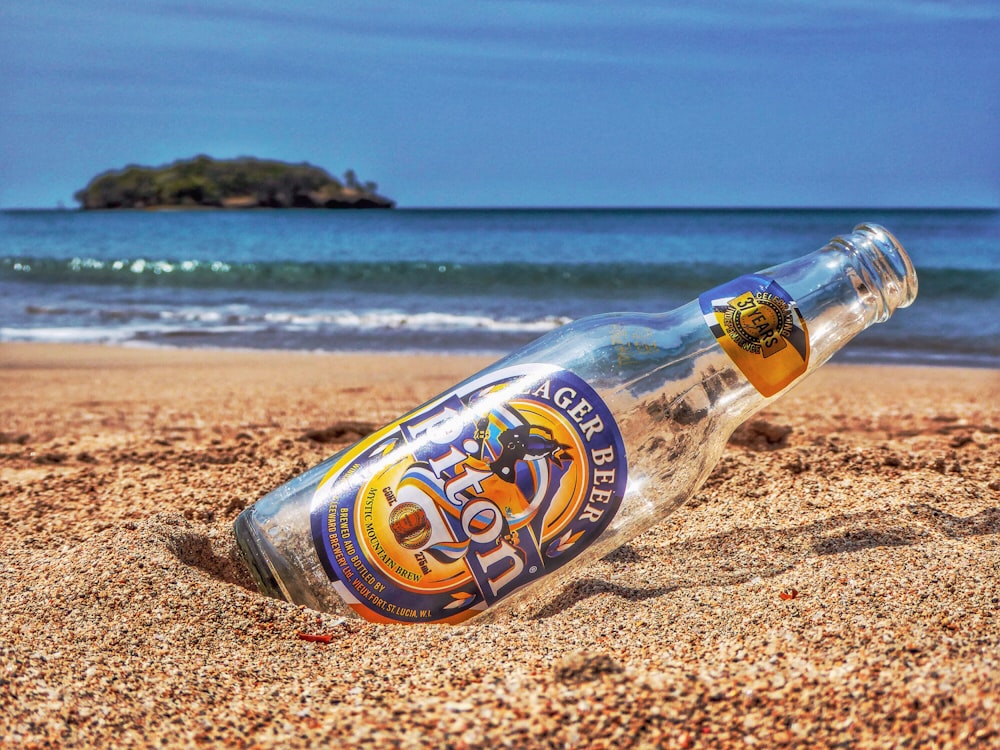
column 883, row 267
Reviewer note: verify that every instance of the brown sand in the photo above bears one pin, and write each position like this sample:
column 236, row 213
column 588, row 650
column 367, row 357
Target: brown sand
column 836, row 583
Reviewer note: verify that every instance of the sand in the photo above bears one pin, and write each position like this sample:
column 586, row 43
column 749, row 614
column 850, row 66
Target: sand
column 835, row 583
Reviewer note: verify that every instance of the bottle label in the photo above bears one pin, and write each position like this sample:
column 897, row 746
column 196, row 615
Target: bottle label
column 470, row 497
column 760, row 327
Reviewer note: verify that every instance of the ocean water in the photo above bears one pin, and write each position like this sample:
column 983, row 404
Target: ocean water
column 455, row 280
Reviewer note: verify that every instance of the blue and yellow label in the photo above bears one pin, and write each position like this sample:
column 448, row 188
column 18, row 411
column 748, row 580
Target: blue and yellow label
column 462, row 502
column 760, row 327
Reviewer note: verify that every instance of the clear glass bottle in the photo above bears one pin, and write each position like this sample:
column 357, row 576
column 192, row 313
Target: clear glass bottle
column 562, row 451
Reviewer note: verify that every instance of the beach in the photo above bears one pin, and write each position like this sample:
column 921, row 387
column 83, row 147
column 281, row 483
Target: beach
column 836, row 582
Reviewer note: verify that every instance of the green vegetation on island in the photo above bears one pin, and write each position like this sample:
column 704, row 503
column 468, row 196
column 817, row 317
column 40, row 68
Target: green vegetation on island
column 245, row 182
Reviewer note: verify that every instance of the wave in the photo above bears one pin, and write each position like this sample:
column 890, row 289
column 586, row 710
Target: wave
column 425, row 321
column 67, row 334
column 659, row 279
column 375, row 276
column 232, row 320
column 930, row 333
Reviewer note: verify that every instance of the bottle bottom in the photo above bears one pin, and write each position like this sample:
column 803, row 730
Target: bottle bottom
column 255, row 557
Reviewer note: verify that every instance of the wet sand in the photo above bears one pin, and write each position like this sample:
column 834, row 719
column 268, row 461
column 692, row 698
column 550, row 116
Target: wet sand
column 836, row 582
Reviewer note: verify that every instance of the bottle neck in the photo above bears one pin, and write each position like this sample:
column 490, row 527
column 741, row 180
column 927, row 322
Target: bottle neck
column 848, row 285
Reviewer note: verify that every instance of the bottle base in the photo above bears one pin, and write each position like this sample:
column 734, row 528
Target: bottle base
column 254, row 556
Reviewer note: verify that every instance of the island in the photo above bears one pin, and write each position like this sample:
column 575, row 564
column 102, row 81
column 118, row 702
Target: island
column 244, row 182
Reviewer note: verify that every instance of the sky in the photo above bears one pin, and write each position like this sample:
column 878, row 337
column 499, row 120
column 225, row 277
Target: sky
column 506, row 103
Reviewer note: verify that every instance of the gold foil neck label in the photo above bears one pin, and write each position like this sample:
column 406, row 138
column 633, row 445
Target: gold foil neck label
column 759, row 326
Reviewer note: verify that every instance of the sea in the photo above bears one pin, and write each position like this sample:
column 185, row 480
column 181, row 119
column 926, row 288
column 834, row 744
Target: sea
column 455, row 280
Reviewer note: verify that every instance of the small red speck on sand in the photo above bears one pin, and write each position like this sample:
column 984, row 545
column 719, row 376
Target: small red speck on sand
column 316, row 638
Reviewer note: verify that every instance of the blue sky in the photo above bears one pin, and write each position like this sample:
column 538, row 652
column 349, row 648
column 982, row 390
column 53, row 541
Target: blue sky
column 558, row 103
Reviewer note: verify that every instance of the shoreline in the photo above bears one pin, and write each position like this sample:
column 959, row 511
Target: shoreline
column 848, row 357
column 835, row 581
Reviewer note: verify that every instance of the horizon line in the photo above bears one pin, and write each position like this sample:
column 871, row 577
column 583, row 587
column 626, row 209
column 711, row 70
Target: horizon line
column 705, row 208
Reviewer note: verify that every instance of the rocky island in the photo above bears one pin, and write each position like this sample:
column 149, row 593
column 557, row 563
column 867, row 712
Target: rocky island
column 244, row 182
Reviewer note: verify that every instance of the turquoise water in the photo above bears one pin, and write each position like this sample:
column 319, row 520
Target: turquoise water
column 454, row 280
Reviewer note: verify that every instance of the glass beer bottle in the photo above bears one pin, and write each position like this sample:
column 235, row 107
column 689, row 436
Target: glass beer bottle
column 563, row 450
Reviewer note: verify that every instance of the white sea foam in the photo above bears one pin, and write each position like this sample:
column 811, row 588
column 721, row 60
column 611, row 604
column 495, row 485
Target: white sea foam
column 67, row 334
column 146, row 323
column 424, row 321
